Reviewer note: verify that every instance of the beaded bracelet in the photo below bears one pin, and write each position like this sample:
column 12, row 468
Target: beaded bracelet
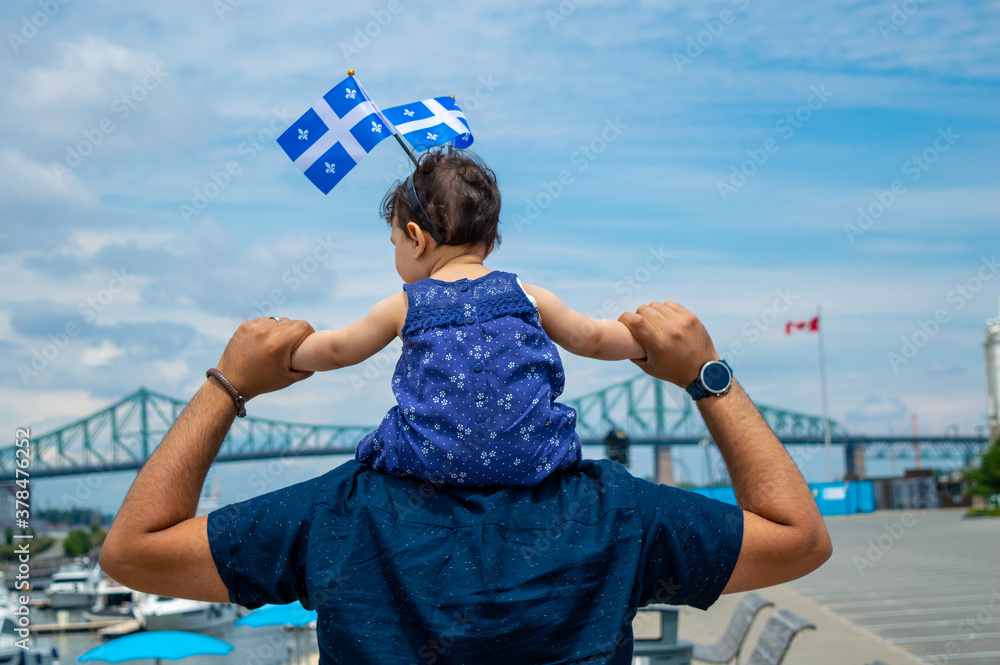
column 241, row 409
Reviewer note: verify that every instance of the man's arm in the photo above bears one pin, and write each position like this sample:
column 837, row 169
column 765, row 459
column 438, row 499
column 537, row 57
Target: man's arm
column 156, row 544
column 784, row 536
column 604, row 339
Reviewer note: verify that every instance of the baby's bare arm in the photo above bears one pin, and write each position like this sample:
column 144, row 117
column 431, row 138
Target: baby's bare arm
column 603, row 339
column 333, row 349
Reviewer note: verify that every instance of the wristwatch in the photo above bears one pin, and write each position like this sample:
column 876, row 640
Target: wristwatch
column 715, row 378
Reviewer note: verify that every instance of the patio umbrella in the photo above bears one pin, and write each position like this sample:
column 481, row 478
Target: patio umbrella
column 292, row 614
column 169, row 644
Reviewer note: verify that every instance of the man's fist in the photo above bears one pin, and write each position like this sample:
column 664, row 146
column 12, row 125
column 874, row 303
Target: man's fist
column 676, row 342
column 258, row 359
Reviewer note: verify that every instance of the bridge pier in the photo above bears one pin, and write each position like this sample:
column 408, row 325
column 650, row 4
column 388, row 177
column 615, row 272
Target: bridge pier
column 854, row 464
column 664, row 466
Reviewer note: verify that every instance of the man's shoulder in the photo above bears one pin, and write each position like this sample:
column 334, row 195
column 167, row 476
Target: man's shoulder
column 589, row 489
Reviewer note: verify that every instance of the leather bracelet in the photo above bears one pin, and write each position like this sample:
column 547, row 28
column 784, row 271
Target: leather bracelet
column 241, row 409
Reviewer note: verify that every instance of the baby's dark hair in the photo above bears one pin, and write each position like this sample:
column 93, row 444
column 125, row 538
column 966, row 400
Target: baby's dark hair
column 458, row 192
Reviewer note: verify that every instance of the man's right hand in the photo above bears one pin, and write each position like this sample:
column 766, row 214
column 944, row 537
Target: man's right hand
column 258, row 358
column 676, row 343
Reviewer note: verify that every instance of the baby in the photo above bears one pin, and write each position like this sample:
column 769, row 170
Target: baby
column 479, row 375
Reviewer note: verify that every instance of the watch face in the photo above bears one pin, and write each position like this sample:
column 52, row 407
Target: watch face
column 716, row 377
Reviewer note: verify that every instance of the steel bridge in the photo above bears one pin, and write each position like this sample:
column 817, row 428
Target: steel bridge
column 650, row 412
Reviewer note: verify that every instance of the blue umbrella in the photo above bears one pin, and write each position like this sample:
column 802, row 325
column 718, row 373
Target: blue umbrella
column 169, row 644
column 292, row 614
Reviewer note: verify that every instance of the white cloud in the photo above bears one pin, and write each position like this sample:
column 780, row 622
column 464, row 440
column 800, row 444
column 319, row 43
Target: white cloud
column 96, row 356
column 22, row 179
column 173, row 370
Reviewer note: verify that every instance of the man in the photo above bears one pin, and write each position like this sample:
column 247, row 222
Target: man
column 400, row 571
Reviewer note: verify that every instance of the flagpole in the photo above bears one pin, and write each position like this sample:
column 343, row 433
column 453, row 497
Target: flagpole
column 403, row 146
column 826, row 416
column 399, row 139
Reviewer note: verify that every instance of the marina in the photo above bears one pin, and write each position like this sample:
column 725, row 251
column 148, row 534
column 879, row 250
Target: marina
column 62, row 634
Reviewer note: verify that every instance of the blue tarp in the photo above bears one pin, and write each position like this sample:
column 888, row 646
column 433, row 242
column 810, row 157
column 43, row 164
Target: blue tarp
column 842, row 498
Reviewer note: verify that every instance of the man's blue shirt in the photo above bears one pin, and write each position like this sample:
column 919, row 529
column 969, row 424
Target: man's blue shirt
column 401, row 571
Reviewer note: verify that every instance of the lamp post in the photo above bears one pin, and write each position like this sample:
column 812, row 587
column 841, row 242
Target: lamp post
column 704, row 444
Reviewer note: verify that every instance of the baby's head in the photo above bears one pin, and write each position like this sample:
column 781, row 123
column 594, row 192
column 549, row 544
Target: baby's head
column 458, row 192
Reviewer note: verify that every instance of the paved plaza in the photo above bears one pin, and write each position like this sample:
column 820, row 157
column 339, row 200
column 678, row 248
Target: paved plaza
column 900, row 587
column 928, row 582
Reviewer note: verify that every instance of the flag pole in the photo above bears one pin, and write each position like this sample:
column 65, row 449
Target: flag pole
column 399, row 139
column 402, row 145
column 822, row 387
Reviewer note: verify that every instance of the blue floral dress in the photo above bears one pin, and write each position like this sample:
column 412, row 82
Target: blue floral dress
column 476, row 390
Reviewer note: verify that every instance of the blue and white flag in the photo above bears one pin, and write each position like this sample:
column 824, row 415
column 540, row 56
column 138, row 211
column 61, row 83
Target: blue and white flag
column 431, row 122
column 335, row 134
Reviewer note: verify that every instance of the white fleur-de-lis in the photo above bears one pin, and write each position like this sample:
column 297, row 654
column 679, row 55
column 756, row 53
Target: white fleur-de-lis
column 330, row 168
column 350, row 93
column 408, row 113
column 303, row 134
column 376, row 127
column 432, row 137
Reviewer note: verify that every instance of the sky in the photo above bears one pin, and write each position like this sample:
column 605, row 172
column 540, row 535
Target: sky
column 752, row 162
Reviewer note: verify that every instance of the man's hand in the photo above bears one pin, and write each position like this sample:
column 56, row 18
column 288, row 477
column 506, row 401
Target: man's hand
column 676, row 342
column 258, row 358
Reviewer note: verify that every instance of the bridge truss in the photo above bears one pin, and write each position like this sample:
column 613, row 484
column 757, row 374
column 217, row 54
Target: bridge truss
column 650, row 412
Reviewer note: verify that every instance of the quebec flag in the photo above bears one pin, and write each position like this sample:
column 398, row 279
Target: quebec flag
column 335, row 134
column 431, row 122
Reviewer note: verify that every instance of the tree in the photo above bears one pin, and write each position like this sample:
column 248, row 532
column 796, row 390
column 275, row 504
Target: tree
column 986, row 479
column 77, row 543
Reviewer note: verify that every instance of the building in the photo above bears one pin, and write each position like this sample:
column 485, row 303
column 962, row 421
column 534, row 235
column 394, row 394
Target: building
column 992, row 346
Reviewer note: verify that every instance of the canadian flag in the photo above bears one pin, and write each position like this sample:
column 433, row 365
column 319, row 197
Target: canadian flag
column 812, row 325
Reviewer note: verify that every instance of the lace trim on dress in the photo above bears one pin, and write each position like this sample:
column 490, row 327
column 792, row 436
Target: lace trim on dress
column 496, row 298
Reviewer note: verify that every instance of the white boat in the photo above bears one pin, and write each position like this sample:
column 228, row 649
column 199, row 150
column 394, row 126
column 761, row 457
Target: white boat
column 111, row 601
column 166, row 613
column 11, row 653
column 73, row 585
